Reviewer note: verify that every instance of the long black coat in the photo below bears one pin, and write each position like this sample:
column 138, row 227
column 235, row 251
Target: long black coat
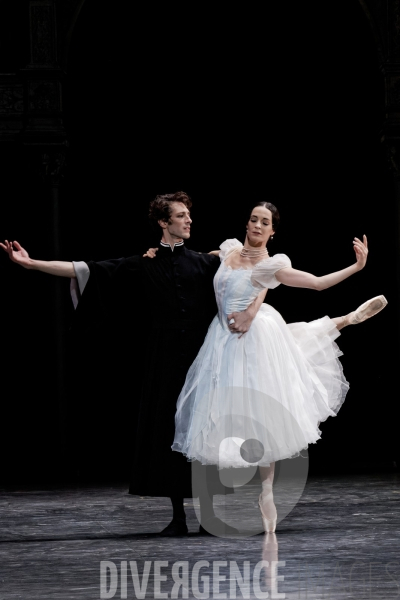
column 163, row 306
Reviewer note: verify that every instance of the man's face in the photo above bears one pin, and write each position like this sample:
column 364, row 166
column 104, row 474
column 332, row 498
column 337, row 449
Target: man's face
column 179, row 222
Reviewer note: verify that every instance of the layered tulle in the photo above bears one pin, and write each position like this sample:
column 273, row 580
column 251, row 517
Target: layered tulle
column 260, row 397
column 275, row 384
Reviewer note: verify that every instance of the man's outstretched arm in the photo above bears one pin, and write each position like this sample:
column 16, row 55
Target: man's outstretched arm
column 54, row 267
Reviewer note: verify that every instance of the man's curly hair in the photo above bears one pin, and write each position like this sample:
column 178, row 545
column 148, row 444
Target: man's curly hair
column 160, row 207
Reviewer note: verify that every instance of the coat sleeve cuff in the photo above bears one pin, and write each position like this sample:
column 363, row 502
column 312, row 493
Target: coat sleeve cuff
column 77, row 285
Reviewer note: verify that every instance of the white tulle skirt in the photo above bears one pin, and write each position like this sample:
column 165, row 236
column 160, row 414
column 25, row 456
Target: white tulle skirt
column 261, row 397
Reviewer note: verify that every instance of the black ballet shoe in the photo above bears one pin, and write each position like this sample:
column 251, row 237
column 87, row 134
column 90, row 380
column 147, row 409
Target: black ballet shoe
column 176, row 528
column 216, row 527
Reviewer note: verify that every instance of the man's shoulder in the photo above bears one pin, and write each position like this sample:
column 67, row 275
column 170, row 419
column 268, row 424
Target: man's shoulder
column 202, row 256
column 203, row 262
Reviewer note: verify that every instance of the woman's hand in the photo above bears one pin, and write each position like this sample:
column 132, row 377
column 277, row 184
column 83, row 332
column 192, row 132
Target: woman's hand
column 361, row 250
column 151, row 252
column 19, row 256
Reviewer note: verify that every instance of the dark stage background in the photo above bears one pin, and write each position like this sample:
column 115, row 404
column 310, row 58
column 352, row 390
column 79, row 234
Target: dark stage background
column 232, row 106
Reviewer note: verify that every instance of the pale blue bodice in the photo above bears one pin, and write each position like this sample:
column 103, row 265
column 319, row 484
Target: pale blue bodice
column 233, row 291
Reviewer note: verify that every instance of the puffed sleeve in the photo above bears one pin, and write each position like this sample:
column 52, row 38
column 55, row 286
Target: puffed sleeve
column 229, row 246
column 263, row 275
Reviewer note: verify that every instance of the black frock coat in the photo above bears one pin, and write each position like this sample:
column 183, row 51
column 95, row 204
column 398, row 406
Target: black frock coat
column 163, row 307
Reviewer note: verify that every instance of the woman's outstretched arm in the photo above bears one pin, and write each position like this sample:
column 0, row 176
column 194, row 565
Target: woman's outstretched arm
column 295, row 278
column 54, row 267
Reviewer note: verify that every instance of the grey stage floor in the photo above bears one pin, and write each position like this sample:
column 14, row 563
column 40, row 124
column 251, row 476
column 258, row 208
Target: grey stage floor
column 341, row 540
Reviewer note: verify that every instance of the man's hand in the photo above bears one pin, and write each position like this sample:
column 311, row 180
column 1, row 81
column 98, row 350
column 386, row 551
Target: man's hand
column 243, row 320
column 19, row 255
column 151, row 252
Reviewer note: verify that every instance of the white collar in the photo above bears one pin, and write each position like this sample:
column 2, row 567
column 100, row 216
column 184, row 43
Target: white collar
column 169, row 245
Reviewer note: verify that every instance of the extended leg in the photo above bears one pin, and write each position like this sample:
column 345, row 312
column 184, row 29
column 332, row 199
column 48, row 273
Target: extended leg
column 362, row 313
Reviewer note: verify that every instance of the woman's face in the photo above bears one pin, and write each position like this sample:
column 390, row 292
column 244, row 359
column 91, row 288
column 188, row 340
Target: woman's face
column 259, row 227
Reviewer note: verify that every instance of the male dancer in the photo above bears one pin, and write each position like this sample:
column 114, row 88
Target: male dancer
column 176, row 289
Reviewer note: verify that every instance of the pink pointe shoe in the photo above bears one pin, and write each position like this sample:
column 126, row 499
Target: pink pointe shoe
column 365, row 311
column 268, row 524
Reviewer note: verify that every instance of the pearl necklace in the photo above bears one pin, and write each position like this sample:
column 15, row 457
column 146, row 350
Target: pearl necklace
column 250, row 253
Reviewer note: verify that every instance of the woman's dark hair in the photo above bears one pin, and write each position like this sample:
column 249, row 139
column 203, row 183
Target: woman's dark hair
column 274, row 211
column 160, row 207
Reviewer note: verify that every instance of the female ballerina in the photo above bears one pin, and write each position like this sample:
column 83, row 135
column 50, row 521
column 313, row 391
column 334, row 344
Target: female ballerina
column 274, row 384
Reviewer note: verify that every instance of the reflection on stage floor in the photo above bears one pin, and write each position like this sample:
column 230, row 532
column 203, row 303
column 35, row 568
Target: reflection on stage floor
column 340, row 540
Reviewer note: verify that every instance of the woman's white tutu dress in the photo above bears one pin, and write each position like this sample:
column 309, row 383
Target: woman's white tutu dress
column 258, row 398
